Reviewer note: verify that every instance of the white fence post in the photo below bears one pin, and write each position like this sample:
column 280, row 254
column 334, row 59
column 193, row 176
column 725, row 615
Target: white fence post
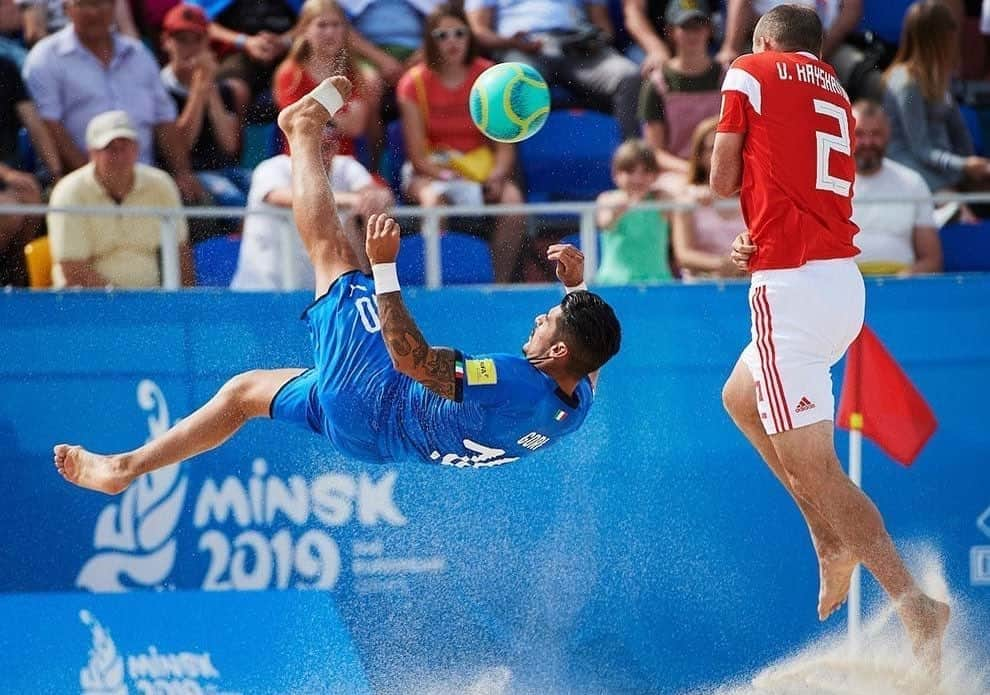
column 589, row 244
column 431, row 249
column 171, row 272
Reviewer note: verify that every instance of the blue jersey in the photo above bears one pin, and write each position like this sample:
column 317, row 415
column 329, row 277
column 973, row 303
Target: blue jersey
column 504, row 407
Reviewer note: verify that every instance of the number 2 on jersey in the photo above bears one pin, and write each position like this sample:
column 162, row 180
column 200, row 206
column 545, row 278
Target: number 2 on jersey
column 827, row 142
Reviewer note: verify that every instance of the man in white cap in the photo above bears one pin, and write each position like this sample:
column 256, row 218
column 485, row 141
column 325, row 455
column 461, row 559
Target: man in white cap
column 100, row 250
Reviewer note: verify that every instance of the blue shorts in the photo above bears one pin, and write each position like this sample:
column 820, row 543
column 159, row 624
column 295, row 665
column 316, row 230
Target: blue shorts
column 343, row 396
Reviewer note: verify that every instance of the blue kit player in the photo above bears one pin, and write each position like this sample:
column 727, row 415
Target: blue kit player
column 379, row 391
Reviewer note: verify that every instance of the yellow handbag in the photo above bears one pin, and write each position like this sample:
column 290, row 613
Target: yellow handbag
column 475, row 165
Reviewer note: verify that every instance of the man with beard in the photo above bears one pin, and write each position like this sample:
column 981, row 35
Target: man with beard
column 894, row 237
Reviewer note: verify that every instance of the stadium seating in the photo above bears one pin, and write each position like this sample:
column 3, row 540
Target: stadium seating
column 966, row 247
column 465, row 260
column 216, row 260
column 974, row 124
column 554, row 169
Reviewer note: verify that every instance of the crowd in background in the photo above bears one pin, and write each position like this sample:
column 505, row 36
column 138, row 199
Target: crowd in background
column 147, row 103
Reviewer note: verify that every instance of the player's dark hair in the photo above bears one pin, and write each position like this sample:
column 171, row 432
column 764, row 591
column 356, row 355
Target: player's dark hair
column 589, row 328
column 793, row 28
column 431, row 50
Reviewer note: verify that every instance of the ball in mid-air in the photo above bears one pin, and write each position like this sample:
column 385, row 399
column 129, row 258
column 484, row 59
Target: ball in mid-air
column 509, row 102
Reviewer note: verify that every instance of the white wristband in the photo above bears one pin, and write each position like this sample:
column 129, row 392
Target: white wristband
column 583, row 287
column 386, row 279
column 328, row 96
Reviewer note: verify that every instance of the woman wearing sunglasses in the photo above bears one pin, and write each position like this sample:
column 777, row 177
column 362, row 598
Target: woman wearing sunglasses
column 450, row 162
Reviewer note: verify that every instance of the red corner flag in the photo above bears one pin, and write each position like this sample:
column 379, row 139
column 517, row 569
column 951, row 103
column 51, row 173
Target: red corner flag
column 878, row 397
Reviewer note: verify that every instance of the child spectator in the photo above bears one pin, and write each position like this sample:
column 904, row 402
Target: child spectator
column 635, row 243
column 702, row 236
column 322, row 48
column 209, row 122
column 450, row 161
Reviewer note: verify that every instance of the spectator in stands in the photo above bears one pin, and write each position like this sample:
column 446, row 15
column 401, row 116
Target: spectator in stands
column 44, row 17
column 450, row 161
column 388, row 36
column 255, row 34
column 701, row 237
column 19, row 187
column 209, row 121
column 100, row 250
column 928, row 133
column 266, row 238
column 16, row 110
column 894, row 237
column 645, row 22
column 322, row 48
column 685, row 91
column 89, row 68
column 857, row 71
column 11, row 33
column 16, row 231
column 568, row 42
column 635, row 243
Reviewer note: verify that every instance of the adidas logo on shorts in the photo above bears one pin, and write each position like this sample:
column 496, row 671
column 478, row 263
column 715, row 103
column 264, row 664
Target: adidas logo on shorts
column 803, row 405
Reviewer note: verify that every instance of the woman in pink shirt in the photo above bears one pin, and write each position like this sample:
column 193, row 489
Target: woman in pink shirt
column 701, row 237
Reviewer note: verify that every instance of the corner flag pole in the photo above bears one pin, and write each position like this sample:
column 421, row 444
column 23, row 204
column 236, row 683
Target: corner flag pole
column 856, row 475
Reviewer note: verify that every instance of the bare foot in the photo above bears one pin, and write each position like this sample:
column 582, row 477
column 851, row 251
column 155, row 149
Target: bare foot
column 91, row 471
column 835, row 571
column 925, row 620
column 308, row 113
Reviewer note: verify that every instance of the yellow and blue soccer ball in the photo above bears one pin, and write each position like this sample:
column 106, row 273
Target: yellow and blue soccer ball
column 509, row 102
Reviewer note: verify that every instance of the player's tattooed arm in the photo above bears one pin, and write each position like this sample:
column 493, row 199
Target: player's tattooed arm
column 433, row 367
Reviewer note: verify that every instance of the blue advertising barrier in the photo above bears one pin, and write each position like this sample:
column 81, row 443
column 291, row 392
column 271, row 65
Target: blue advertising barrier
column 177, row 642
column 651, row 552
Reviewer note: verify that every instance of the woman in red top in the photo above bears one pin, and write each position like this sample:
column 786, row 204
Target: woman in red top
column 437, row 126
column 322, row 49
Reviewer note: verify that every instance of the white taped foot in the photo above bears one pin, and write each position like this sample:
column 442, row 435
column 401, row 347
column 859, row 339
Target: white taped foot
column 328, row 97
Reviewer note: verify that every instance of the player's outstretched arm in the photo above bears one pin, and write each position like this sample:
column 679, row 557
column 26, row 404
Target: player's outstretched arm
column 570, row 272
column 433, row 367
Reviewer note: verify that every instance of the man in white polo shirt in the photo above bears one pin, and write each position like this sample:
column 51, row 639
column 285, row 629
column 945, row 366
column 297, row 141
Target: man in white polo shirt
column 262, row 264
column 100, row 250
column 894, row 237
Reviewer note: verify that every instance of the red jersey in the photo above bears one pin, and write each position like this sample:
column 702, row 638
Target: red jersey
column 444, row 109
column 798, row 168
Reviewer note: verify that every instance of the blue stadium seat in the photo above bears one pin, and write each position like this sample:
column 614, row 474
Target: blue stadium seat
column 569, row 159
column 464, row 259
column 216, row 260
column 395, row 156
column 974, row 124
column 966, row 247
column 885, row 18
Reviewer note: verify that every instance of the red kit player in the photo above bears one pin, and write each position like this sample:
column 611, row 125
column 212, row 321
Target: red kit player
column 784, row 143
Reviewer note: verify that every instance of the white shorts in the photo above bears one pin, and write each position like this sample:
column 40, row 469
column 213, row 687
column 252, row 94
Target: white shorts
column 803, row 320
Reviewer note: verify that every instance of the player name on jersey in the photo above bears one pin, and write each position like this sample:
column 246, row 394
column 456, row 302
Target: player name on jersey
column 810, row 74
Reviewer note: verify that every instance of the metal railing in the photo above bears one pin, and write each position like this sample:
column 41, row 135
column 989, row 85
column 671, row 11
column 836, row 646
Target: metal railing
column 430, row 227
